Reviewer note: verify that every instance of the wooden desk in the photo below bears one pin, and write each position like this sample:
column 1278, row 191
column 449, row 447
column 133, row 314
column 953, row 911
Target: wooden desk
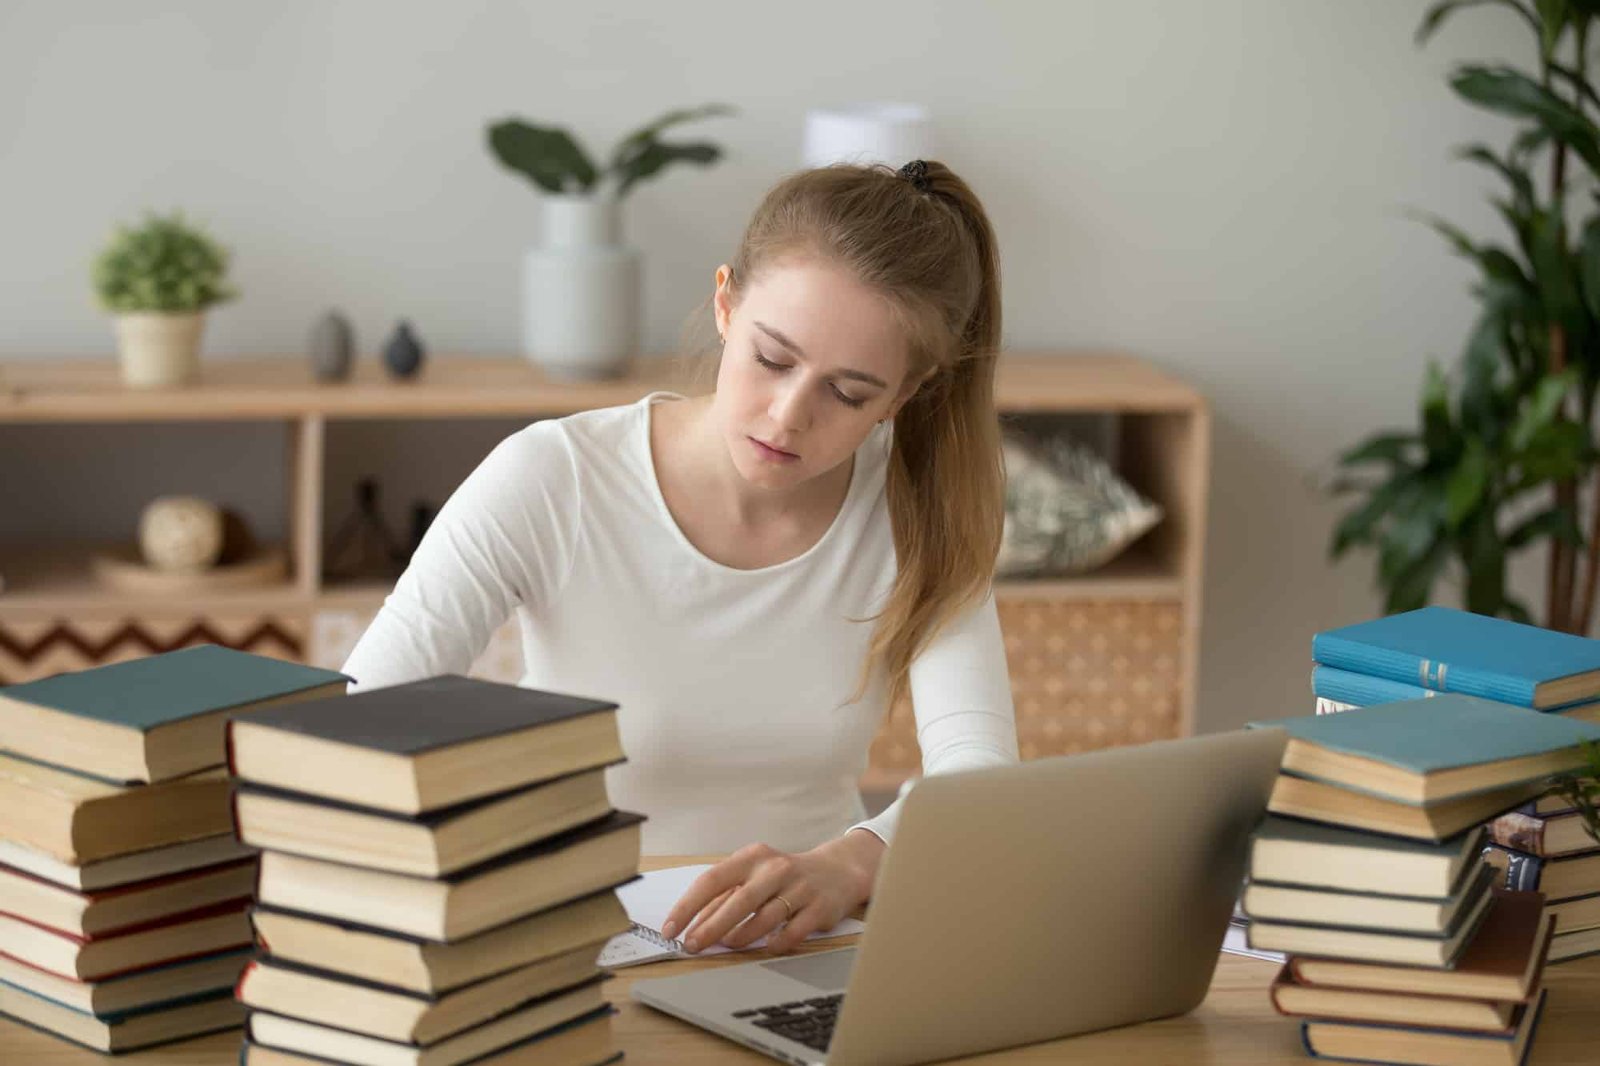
column 1236, row 1025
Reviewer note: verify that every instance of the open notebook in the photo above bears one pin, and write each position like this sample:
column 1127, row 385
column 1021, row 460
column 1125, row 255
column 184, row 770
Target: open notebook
column 650, row 899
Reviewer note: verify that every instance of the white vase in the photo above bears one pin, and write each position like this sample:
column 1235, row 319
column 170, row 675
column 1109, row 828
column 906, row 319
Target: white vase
column 581, row 291
column 157, row 349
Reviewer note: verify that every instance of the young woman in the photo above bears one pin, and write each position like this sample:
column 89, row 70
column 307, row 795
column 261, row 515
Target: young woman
column 756, row 575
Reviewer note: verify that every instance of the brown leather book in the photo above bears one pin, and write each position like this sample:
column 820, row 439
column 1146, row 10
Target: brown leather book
column 1502, row 963
column 1543, row 835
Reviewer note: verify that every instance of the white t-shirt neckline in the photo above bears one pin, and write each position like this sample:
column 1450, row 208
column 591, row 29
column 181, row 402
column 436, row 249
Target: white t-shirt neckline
column 647, row 457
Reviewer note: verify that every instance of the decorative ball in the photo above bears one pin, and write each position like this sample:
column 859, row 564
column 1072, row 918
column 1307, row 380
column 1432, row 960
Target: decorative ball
column 181, row 533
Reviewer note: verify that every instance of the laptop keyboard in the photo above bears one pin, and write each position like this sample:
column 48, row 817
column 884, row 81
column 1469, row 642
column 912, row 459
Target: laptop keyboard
column 809, row 1021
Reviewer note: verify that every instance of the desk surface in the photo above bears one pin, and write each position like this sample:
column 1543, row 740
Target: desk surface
column 1235, row 1025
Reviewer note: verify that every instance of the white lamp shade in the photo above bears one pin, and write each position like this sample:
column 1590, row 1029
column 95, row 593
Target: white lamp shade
column 890, row 133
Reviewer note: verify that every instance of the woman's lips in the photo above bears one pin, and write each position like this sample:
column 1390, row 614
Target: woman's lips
column 775, row 454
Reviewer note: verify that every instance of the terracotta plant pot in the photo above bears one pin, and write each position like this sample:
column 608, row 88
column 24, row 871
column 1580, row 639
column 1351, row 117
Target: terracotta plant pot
column 157, row 350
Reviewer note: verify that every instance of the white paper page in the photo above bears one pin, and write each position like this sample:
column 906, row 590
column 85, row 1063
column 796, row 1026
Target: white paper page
column 650, row 899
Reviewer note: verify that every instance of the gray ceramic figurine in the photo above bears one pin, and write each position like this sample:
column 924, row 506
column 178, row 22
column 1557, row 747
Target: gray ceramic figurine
column 403, row 354
column 333, row 346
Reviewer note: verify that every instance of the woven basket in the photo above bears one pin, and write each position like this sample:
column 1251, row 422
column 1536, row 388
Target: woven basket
column 1084, row 675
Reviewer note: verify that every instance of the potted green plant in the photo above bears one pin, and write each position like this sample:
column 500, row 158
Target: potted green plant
column 581, row 285
column 158, row 278
column 1504, row 443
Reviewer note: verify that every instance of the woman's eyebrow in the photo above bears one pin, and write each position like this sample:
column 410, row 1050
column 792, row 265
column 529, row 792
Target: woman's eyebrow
column 858, row 375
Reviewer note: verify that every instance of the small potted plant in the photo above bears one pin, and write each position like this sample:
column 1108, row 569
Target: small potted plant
column 581, row 288
column 158, row 278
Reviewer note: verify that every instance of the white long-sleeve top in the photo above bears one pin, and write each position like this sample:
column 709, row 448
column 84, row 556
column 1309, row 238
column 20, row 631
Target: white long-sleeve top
column 732, row 684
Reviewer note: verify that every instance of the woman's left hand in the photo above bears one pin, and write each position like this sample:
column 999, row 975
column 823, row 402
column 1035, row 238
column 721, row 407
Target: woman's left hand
column 823, row 886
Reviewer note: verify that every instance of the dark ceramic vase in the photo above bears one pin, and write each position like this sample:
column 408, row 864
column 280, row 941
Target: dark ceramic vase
column 403, row 354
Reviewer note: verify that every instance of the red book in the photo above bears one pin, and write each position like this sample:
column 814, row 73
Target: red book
column 166, row 940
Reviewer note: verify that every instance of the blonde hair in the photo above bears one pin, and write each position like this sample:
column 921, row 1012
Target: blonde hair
column 928, row 247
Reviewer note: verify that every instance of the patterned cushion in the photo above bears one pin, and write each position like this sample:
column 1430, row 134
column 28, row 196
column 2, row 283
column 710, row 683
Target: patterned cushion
column 1067, row 511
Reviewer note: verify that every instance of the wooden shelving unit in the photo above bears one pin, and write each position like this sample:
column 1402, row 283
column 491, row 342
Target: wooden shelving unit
column 1104, row 658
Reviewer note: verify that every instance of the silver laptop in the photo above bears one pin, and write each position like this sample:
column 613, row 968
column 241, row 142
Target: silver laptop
column 1018, row 904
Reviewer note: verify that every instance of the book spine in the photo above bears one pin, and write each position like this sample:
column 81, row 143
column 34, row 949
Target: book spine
column 227, row 749
column 1519, row 832
column 1520, row 872
column 1410, row 669
column 1363, row 690
column 1305, row 1038
column 244, row 975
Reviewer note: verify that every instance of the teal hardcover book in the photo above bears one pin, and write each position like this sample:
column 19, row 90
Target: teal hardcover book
column 151, row 719
column 1449, row 650
column 1429, row 751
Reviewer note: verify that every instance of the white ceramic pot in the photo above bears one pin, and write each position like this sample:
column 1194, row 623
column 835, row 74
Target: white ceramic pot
column 581, row 291
column 158, row 349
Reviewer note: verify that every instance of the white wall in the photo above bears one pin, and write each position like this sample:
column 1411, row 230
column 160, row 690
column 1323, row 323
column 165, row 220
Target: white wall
column 1216, row 186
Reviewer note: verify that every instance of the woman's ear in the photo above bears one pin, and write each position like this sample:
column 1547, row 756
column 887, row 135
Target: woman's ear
column 722, row 301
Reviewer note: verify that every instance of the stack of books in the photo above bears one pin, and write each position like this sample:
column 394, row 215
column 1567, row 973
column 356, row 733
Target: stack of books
column 1372, row 859
column 438, row 876
column 1418, row 654
column 1543, row 845
column 124, row 894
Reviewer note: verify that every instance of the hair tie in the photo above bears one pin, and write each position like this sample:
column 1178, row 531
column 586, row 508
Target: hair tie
column 916, row 172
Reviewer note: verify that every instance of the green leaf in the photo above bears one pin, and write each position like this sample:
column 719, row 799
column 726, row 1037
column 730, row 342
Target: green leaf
column 1452, row 233
column 636, row 142
column 1436, row 15
column 1553, row 273
column 1553, row 16
column 1466, row 483
column 545, row 155
column 1515, row 610
column 1557, row 451
column 1589, row 265
column 1480, row 365
column 659, row 154
column 1416, row 520
column 1575, row 80
column 1519, row 180
column 1412, row 588
column 1511, row 92
column 1381, row 447
column 1437, row 433
column 1485, row 561
column 1357, row 526
column 1556, row 523
column 1540, row 410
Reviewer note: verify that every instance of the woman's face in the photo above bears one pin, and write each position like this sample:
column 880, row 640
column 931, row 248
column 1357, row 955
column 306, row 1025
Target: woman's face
column 811, row 360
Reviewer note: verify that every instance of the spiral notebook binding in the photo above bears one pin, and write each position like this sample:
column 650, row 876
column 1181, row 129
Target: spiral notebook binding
column 656, row 938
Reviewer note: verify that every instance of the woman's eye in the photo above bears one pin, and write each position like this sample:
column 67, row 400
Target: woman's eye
column 848, row 401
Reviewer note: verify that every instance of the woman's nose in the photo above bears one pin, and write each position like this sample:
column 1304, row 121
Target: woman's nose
column 791, row 407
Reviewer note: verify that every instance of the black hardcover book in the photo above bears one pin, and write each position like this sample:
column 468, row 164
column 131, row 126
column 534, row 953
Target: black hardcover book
column 418, row 747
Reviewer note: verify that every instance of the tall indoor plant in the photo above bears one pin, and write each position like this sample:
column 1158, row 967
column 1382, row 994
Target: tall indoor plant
column 158, row 278
column 1505, row 451
column 581, row 285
